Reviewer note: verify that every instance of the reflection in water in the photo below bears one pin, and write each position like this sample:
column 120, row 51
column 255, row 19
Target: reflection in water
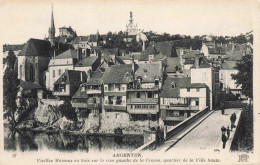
column 28, row 141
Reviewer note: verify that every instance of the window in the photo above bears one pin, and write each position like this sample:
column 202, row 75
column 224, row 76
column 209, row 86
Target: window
column 53, row 73
column 150, row 94
column 197, row 89
column 197, row 103
column 138, row 95
column 105, row 88
column 31, row 73
column 123, row 88
column 21, row 71
column 150, row 57
column 156, row 82
column 188, row 89
column 59, row 71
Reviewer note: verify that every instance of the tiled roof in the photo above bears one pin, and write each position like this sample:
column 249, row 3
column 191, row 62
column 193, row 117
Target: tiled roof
column 80, row 94
column 203, row 63
column 72, row 76
column 95, row 81
column 188, row 61
column 29, row 85
column 159, row 48
column 181, row 82
column 96, row 74
column 148, row 71
column 235, row 56
column 79, row 39
column 168, row 91
column 187, row 43
column 35, row 47
column 12, row 47
column 88, row 61
column 71, row 53
column 228, row 65
column 172, row 63
column 117, row 74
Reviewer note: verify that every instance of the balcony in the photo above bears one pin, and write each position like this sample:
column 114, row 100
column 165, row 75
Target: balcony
column 57, row 93
column 86, row 105
column 168, row 107
column 142, row 111
column 115, row 107
column 154, row 88
column 93, row 91
column 142, row 100
column 175, row 118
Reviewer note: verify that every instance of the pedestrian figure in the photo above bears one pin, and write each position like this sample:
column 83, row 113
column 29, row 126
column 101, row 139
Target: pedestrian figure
column 223, row 129
column 235, row 117
column 224, row 140
column 228, row 132
column 222, row 110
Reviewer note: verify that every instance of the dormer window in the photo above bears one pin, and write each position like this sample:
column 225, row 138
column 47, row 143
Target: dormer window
column 64, row 78
column 150, row 57
column 173, row 85
column 83, row 88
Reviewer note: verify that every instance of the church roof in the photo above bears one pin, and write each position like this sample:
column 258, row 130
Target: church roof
column 36, row 47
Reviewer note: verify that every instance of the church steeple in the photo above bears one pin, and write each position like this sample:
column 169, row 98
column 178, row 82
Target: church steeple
column 131, row 17
column 52, row 29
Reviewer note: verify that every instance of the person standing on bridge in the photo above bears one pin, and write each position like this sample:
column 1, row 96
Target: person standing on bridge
column 228, row 132
column 223, row 130
column 224, row 140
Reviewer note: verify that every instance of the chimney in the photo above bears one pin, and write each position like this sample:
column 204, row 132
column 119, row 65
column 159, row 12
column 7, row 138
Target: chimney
column 79, row 54
column 133, row 64
column 196, row 63
column 81, row 76
column 143, row 49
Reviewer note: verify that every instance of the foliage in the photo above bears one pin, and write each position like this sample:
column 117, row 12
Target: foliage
column 10, row 89
column 10, row 59
column 67, row 110
column 244, row 77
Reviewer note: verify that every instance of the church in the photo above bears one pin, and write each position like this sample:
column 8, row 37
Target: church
column 33, row 60
column 131, row 28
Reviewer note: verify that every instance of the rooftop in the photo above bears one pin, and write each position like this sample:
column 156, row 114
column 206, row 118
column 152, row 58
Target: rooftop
column 118, row 74
column 71, row 76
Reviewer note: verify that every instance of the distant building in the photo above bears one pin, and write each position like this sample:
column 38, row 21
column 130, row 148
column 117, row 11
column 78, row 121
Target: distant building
column 67, row 31
column 15, row 48
column 131, row 28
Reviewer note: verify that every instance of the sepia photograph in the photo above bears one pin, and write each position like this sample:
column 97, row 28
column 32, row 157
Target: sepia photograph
column 129, row 82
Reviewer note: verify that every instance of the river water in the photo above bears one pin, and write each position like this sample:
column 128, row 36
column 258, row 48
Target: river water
column 28, row 141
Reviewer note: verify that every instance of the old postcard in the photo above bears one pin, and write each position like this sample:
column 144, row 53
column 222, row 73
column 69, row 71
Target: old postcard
column 129, row 82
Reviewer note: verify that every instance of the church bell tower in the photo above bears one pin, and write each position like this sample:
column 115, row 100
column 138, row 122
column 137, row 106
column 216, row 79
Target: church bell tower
column 52, row 29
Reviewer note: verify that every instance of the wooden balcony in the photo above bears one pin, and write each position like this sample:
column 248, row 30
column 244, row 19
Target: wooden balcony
column 57, row 93
column 142, row 111
column 93, row 91
column 142, row 100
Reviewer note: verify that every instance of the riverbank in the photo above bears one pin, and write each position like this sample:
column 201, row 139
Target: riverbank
column 51, row 130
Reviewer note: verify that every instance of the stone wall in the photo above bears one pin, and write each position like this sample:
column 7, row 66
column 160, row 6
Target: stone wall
column 46, row 112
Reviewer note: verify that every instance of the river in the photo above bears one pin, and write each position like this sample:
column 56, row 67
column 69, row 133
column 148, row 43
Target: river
column 29, row 141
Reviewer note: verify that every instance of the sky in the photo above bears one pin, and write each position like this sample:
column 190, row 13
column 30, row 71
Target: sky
column 21, row 20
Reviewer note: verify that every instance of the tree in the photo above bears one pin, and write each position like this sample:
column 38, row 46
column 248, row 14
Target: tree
column 10, row 89
column 10, row 59
column 67, row 110
column 244, row 77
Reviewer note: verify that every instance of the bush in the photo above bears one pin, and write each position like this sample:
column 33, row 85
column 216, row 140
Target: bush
column 67, row 110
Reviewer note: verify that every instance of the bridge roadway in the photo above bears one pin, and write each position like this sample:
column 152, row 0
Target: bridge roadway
column 206, row 135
